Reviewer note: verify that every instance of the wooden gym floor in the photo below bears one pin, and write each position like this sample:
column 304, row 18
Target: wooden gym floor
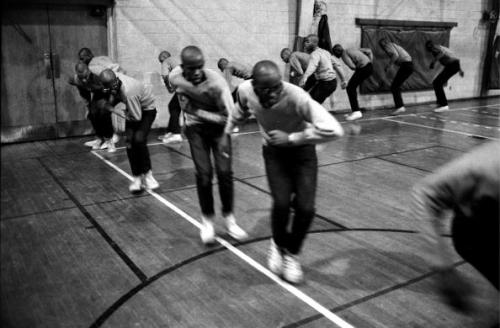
column 77, row 250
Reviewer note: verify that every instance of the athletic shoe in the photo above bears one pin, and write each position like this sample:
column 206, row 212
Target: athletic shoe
column 274, row 258
column 292, row 270
column 105, row 144
column 91, row 143
column 233, row 229
column 165, row 136
column 441, row 109
column 111, row 146
column 98, row 145
column 173, row 138
column 136, row 184
column 115, row 138
column 354, row 116
column 398, row 111
column 207, row 231
column 149, row 182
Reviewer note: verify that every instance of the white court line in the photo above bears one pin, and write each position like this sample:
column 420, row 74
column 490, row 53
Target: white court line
column 342, row 122
column 404, row 115
column 440, row 129
column 161, row 143
column 292, row 289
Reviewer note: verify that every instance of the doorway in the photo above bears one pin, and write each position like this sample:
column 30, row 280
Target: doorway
column 40, row 44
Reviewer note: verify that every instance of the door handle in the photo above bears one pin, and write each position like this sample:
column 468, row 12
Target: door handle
column 56, row 65
column 48, row 66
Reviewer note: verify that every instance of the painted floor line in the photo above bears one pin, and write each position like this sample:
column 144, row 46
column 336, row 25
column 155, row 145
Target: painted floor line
column 440, row 129
column 414, row 114
column 290, row 288
column 342, row 122
column 234, row 135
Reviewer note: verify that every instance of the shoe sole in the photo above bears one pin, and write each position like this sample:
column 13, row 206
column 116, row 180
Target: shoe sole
column 208, row 242
column 152, row 188
column 298, row 282
column 238, row 238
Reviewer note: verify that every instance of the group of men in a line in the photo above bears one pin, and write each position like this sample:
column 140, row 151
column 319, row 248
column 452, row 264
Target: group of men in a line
column 291, row 121
column 320, row 63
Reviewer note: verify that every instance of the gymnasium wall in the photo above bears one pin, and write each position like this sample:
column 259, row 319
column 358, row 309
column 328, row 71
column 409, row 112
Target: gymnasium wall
column 251, row 30
column 241, row 30
column 467, row 40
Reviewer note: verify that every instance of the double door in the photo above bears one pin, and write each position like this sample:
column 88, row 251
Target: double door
column 40, row 46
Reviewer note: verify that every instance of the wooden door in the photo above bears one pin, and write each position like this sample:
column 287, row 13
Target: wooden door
column 40, row 46
column 71, row 28
column 28, row 100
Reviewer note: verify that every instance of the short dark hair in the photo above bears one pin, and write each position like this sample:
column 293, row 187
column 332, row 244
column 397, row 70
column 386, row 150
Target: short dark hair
column 283, row 50
column 220, row 61
column 164, row 52
column 337, row 47
column 86, row 51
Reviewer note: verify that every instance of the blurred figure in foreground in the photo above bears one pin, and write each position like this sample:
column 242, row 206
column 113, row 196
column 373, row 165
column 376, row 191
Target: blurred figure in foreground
column 469, row 189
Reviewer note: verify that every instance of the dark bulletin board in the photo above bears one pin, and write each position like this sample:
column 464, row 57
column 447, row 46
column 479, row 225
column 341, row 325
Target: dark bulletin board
column 412, row 36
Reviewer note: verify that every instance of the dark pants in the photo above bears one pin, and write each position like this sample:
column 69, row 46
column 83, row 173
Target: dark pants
column 174, row 109
column 310, row 82
column 100, row 118
column 136, row 137
column 203, row 140
column 323, row 90
column 476, row 240
column 360, row 74
column 404, row 71
column 291, row 172
column 443, row 77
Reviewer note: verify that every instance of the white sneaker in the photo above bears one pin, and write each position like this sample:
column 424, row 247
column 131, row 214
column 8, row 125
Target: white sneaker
column 97, row 145
column 149, row 182
column 105, row 144
column 165, row 136
column 398, row 111
column 354, row 116
column 274, row 258
column 136, row 184
column 233, row 229
column 173, row 138
column 111, row 147
column 91, row 143
column 441, row 109
column 292, row 270
column 207, row 231
column 115, row 138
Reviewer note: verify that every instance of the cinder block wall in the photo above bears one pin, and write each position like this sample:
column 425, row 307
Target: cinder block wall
column 241, row 30
column 467, row 40
column 251, row 30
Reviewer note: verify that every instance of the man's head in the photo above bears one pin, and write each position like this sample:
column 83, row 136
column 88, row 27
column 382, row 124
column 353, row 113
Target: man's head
column 337, row 50
column 311, row 42
column 163, row 55
column 192, row 64
column 110, row 82
column 222, row 64
column 383, row 43
column 319, row 8
column 285, row 54
column 82, row 71
column 267, row 83
column 85, row 55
